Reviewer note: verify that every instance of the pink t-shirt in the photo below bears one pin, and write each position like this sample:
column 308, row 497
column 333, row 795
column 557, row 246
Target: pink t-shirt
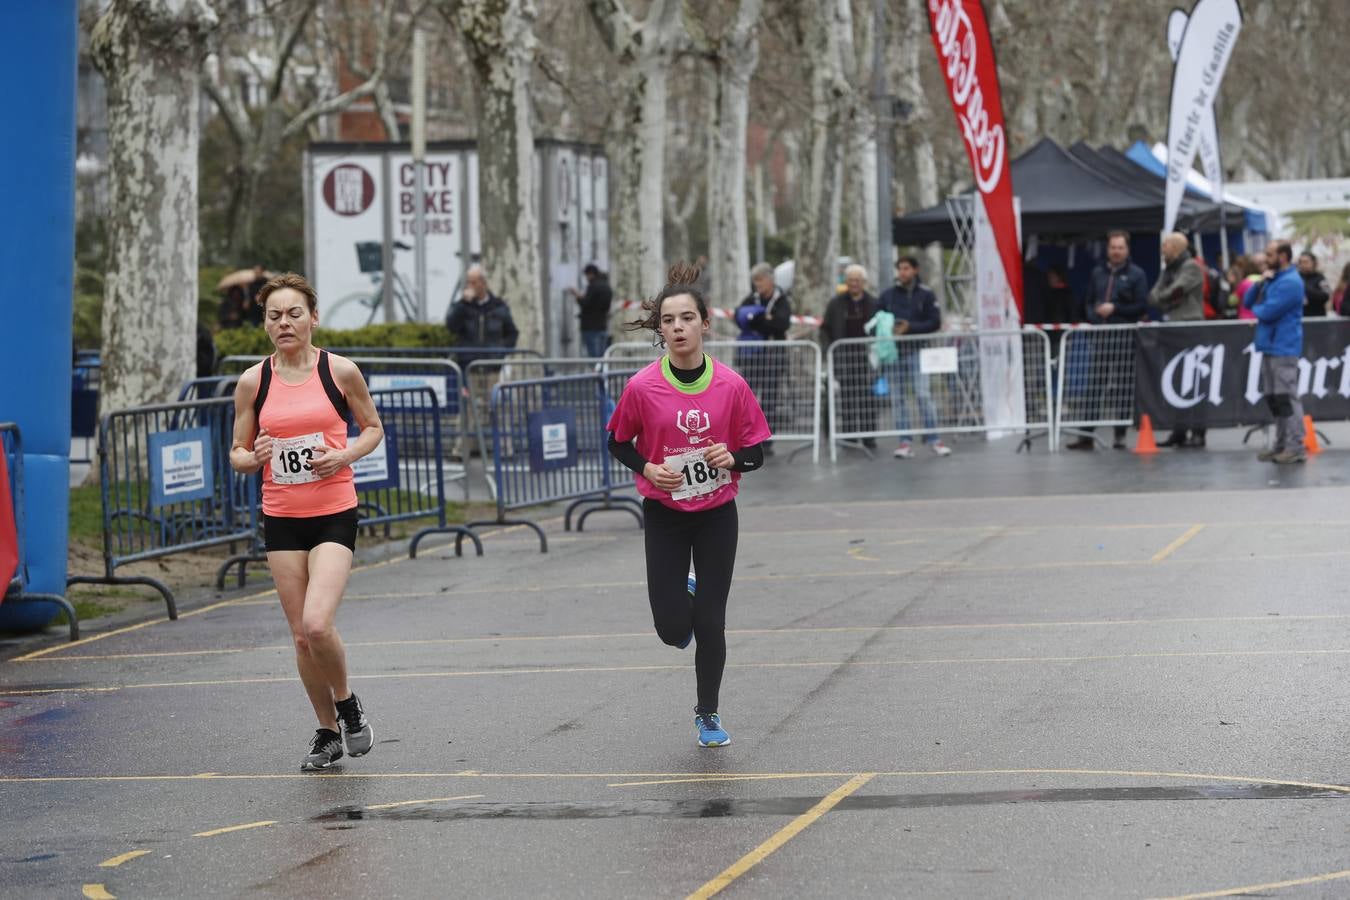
column 674, row 423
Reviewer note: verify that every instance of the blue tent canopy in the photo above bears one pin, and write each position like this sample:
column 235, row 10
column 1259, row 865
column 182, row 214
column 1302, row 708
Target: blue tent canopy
column 1139, row 154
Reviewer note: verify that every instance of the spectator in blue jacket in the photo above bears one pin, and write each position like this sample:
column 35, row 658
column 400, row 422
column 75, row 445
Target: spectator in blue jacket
column 916, row 312
column 1117, row 295
column 1278, row 304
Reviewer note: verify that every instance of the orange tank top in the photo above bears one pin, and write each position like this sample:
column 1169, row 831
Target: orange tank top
column 300, row 417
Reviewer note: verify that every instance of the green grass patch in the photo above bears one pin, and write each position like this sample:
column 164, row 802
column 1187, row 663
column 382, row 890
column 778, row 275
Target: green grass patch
column 86, row 514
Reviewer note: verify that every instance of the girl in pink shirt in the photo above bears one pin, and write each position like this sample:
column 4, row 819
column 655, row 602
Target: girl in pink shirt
column 688, row 428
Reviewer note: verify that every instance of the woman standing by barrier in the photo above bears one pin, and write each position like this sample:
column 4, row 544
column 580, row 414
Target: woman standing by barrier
column 290, row 421
column 688, row 427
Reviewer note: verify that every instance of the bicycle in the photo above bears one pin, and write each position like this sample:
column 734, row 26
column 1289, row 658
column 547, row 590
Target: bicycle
column 370, row 260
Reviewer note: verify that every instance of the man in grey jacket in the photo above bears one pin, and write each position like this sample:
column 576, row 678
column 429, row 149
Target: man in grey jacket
column 1180, row 294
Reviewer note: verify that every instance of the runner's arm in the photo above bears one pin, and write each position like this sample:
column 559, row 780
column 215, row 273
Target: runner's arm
column 748, row 459
column 243, row 447
column 627, row 454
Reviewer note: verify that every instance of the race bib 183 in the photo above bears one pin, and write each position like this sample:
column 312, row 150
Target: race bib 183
column 291, row 458
column 699, row 477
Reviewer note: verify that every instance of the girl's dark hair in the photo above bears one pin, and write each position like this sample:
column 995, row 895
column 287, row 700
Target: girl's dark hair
column 681, row 278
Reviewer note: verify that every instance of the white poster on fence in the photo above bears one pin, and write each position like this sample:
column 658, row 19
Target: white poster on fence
column 1002, row 390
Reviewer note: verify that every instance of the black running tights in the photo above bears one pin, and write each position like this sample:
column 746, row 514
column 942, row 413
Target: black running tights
column 709, row 537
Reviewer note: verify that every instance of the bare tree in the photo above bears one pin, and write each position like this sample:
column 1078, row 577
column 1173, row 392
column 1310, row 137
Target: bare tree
column 644, row 51
column 817, row 243
column 916, row 164
column 499, row 37
column 734, row 54
column 150, row 53
column 260, row 129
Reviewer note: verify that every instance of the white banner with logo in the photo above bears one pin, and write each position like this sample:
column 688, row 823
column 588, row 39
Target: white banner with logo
column 1209, row 375
column 1202, row 44
column 1002, row 389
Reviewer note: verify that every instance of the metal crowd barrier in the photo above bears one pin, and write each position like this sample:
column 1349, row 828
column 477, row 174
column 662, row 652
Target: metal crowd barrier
column 167, row 487
column 549, row 444
column 444, row 378
column 936, row 384
column 401, row 480
column 785, row 376
column 207, row 387
column 484, row 374
column 17, row 590
column 1095, row 384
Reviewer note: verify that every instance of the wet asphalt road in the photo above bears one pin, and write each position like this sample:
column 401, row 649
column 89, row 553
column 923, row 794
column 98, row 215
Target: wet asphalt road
column 993, row 675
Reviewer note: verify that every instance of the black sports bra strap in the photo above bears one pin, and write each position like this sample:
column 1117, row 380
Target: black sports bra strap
column 331, row 389
column 264, row 383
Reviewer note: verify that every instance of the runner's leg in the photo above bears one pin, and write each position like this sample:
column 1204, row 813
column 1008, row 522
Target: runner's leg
column 290, row 573
column 667, row 536
column 329, row 567
column 714, row 559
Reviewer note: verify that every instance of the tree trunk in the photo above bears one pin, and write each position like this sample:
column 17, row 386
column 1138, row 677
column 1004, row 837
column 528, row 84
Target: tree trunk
column 915, row 157
column 149, row 52
column 734, row 63
column 637, row 140
column 860, row 151
column 499, row 35
column 817, row 243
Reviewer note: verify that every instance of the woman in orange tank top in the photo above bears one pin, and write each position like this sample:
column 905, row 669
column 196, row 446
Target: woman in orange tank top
column 290, row 422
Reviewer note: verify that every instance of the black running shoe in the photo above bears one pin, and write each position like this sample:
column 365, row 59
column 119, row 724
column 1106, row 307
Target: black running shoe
column 324, row 750
column 360, row 736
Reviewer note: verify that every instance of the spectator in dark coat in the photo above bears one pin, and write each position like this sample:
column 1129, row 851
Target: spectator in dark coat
column 1117, row 295
column 1316, row 291
column 479, row 318
column 846, row 316
column 593, row 310
column 764, row 316
column 916, row 312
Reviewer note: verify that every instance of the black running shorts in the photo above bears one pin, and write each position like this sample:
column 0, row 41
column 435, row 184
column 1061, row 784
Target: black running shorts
column 290, row 533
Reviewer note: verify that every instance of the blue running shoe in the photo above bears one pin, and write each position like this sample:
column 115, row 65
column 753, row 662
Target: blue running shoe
column 710, row 730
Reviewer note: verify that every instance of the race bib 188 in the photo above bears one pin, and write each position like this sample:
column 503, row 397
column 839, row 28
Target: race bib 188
column 699, row 477
column 291, row 458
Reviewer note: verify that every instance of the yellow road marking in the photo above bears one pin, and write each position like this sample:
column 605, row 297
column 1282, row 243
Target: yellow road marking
column 428, row 800
column 787, row 833
column 787, row 631
column 586, row 670
column 1268, row 886
column 703, row 779
column 857, row 553
column 97, row 892
column 215, row 831
column 116, row 861
column 619, row 776
column 1177, row 544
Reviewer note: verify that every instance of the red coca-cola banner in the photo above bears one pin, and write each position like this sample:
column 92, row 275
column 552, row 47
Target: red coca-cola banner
column 966, row 55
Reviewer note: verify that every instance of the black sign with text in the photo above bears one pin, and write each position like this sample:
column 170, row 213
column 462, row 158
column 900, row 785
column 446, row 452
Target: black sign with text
column 1209, row 376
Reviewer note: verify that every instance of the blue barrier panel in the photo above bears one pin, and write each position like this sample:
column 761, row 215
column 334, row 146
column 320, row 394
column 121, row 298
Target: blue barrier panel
column 167, row 486
column 549, row 444
column 37, row 252
column 16, row 591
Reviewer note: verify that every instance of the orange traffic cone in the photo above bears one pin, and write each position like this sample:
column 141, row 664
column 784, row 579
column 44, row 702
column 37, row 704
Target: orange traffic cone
column 1145, row 444
column 1310, row 443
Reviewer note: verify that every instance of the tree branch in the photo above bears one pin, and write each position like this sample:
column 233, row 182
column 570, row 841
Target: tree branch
column 286, row 50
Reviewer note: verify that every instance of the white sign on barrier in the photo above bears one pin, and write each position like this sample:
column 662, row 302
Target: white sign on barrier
column 384, row 382
column 374, row 466
column 938, row 361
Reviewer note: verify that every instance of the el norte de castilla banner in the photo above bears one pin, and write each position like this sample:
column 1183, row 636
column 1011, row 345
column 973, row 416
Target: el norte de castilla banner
column 1208, row 376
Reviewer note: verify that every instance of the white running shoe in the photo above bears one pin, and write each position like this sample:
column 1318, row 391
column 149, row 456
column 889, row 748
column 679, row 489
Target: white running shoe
column 940, row 449
column 904, row 451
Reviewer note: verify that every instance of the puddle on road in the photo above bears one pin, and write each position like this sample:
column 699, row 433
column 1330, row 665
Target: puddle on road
column 794, row 806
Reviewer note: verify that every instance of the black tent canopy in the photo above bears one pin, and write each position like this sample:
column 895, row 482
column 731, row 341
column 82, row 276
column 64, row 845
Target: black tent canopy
column 1073, row 194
